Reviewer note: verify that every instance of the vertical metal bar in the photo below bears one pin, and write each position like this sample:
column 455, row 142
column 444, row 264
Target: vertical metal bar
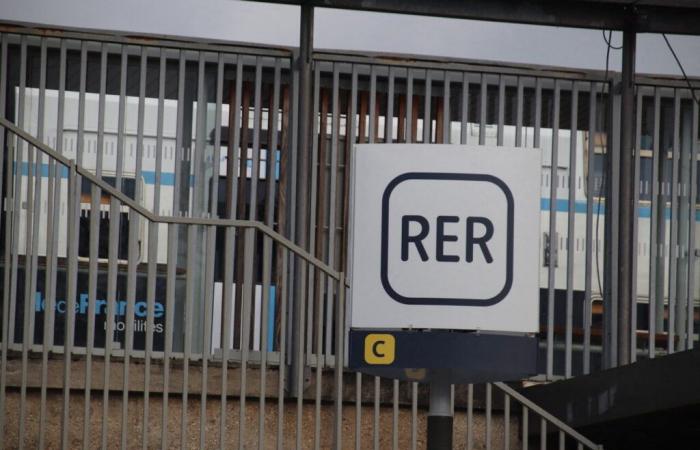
column 314, row 227
column 395, row 416
column 133, row 251
column 685, row 143
column 389, row 125
column 95, row 214
column 377, row 393
column 195, row 233
column 114, row 226
column 210, row 240
column 372, row 104
column 173, row 240
column 153, row 240
column 267, row 246
column 52, row 219
column 34, row 212
column 446, row 133
column 250, row 239
column 635, row 231
column 358, row 411
column 282, row 258
column 189, row 298
column 247, row 287
column 317, row 208
column 506, row 422
column 233, row 167
column 28, row 206
column 673, row 244
column 553, row 240
column 352, row 127
column 571, row 231
column 332, row 231
column 332, row 225
column 562, row 440
column 526, row 428
column 304, row 135
column 340, row 361
column 519, row 113
column 427, row 101
column 33, row 222
column 9, row 214
column 465, row 108
column 626, row 246
column 483, row 104
column 414, row 414
column 501, row 109
column 470, row 416
column 19, row 153
column 72, row 253
column 543, row 434
column 655, row 254
column 409, row 106
column 692, row 247
column 538, row 113
column 590, row 199
column 489, row 408
column 612, row 230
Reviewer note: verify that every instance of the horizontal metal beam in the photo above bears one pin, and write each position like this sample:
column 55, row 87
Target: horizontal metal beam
column 144, row 39
column 647, row 18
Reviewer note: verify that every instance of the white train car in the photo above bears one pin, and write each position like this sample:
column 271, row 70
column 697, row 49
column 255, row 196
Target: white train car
column 147, row 181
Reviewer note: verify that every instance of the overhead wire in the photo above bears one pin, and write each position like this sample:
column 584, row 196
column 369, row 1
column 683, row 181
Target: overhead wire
column 603, row 180
column 685, row 75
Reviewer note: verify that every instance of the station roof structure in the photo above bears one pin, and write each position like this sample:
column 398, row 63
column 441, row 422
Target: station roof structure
column 644, row 16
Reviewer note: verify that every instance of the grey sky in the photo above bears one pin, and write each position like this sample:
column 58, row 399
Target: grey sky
column 353, row 30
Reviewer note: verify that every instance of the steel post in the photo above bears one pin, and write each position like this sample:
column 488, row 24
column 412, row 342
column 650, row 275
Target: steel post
column 440, row 417
column 304, row 67
column 626, row 245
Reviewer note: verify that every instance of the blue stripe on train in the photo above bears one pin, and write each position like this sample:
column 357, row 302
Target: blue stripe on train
column 149, row 176
column 580, row 207
column 562, row 205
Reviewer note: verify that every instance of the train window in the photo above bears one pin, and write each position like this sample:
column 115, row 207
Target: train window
column 103, row 241
column 128, row 187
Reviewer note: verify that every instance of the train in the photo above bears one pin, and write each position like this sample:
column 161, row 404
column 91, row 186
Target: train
column 143, row 189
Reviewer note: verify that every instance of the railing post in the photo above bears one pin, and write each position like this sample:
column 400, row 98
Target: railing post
column 627, row 204
column 339, row 360
column 304, row 122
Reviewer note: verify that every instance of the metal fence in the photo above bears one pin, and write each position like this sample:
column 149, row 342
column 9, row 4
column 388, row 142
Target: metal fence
column 150, row 189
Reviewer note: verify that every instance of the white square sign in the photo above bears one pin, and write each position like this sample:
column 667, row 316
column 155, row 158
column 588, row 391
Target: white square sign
column 445, row 237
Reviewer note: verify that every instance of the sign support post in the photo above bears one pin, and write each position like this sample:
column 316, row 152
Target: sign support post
column 440, row 417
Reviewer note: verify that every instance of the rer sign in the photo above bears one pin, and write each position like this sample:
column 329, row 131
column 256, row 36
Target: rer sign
column 445, row 237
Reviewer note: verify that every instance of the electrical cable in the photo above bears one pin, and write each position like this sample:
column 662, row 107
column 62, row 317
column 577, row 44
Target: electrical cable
column 608, row 40
column 678, row 61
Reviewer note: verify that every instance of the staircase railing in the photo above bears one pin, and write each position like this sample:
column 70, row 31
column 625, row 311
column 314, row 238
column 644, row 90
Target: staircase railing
column 511, row 398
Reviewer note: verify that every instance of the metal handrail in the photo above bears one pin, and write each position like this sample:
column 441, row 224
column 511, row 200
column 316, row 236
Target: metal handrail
column 547, row 416
column 156, row 218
